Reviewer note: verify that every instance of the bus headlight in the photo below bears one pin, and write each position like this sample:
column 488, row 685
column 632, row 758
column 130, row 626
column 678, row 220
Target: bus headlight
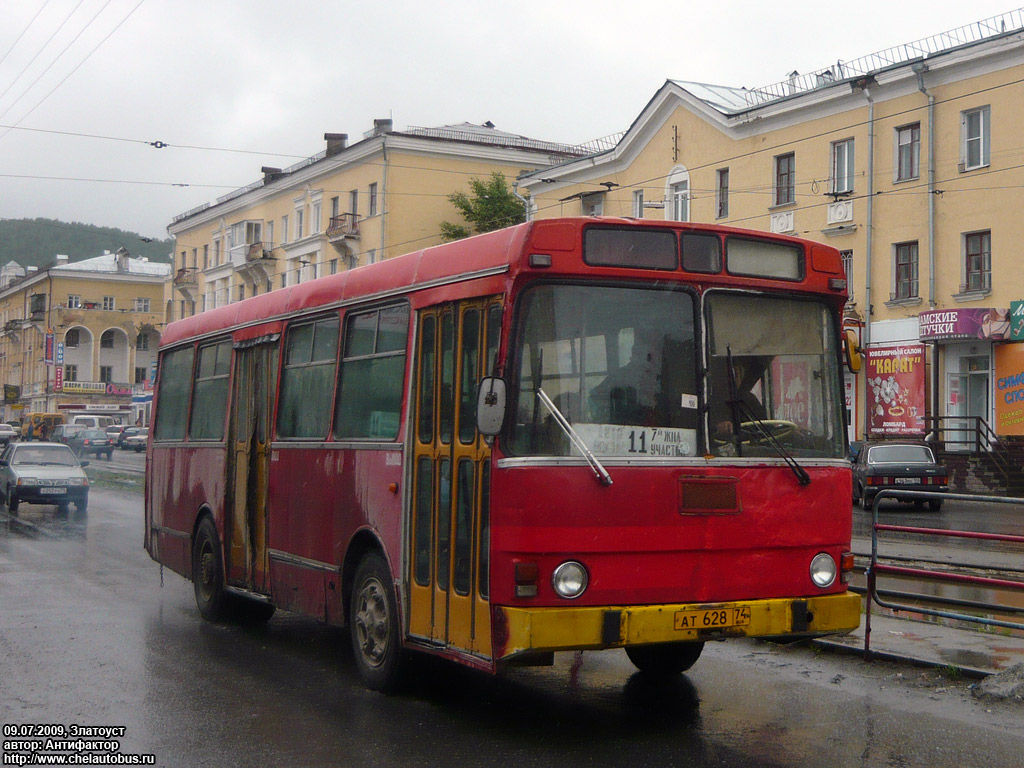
column 823, row 570
column 569, row 579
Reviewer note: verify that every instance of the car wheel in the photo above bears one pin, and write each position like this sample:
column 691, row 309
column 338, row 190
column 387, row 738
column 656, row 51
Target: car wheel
column 376, row 643
column 935, row 505
column 856, row 493
column 110, row 455
column 208, row 572
column 865, row 502
column 63, row 508
column 12, row 503
column 664, row 659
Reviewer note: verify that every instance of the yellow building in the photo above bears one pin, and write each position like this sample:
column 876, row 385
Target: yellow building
column 82, row 336
column 909, row 161
column 348, row 206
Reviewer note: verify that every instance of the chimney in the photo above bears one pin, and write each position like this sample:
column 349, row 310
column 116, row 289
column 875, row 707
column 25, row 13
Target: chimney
column 270, row 174
column 335, row 143
column 382, row 126
column 62, row 259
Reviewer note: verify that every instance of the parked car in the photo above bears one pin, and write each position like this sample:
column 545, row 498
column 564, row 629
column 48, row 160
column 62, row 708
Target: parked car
column 7, row 434
column 137, row 442
column 125, row 434
column 92, row 441
column 63, row 432
column 42, row 473
column 115, row 430
column 893, row 465
column 94, row 422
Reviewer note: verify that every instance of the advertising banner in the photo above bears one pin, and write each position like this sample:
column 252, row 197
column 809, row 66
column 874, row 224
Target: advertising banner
column 976, row 323
column 1017, row 321
column 1009, row 390
column 895, row 394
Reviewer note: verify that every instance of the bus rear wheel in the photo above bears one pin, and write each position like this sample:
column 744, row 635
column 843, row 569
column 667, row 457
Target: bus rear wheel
column 208, row 572
column 373, row 621
column 664, row 659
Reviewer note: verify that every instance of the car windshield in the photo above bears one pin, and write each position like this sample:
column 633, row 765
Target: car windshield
column 94, row 434
column 900, row 454
column 784, row 379
column 59, row 455
column 619, row 363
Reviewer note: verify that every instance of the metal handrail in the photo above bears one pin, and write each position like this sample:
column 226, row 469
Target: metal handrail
column 983, row 439
column 874, row 595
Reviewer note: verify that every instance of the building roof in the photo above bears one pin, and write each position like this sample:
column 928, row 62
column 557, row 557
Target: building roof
column 115, row 263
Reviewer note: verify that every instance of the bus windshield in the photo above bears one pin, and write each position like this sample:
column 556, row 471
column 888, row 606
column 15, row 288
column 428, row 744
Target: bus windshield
column 784, row 378
column 618, row 363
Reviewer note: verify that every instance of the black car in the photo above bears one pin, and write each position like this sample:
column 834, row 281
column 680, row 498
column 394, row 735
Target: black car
column 92, row 441
column 892, row 465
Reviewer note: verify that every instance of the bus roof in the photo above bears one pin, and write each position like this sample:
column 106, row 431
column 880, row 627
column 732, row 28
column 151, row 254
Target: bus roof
column 492, row 253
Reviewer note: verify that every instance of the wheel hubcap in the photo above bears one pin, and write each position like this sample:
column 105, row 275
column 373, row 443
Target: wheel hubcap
column 207, row 570
column 371, row 623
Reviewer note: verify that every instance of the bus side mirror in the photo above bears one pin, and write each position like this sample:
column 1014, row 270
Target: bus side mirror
column 490, row 406
column 854, row 356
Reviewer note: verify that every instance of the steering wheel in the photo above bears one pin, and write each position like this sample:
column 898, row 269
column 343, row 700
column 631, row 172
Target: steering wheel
column 780, row 429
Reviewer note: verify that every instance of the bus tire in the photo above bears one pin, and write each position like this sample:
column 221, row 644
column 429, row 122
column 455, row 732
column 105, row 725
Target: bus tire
column 373, row 622
column 208, row 572
column 664, row 659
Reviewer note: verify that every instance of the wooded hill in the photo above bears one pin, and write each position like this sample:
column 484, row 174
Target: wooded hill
column 36, row 242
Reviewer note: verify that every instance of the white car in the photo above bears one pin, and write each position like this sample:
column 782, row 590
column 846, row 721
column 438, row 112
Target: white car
column 7, row 433
column 42, row 473
column 137, row 442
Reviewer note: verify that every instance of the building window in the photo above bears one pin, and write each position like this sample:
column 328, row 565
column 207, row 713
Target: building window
column 71, row 338
column 977, row 262
column 74, row 302
column 593, row 204
column 722, row 193
column 638, row 203
column 974, row 128
column 371, row 256
column 270, row 236
column 353, row 203
column 108, row 302
column 241, row 292
column 332, row 266
column 847, row 257
column 908, row 152
column 335, row 207
column 107, row 340
column 206, row 256
column 284, row 229
column 314, row 225
column 785, row 179
column 373, row 200
column 70, row 373
column 106, row 373
column 142, row 342
column 842, row 166
column 142, row 305
column 905, row 271
column 140, row 375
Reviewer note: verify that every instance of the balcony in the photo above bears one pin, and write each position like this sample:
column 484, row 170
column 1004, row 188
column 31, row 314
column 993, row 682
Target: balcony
column 252, row 261
column 186, row 281
column 342, row 227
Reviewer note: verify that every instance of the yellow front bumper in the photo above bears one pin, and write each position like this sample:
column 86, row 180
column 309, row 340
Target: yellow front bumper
column 566, row 629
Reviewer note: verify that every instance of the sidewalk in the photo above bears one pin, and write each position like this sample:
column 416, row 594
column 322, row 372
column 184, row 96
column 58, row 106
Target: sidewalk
column 975, row 652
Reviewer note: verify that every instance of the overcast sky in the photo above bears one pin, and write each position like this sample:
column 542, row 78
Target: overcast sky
column 232, row 85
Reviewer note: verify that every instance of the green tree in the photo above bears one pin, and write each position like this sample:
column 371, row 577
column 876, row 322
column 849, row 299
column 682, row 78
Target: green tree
column 489, row 205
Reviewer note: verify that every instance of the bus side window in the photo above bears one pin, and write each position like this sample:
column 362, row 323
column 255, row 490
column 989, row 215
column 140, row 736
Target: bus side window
column 173, row 394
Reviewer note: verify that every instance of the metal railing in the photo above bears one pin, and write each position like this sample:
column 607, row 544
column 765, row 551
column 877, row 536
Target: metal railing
column 970, row 434
column 932, row 570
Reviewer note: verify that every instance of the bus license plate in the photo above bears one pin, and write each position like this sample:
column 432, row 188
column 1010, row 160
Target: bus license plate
column 53, row 491
column 714, row 618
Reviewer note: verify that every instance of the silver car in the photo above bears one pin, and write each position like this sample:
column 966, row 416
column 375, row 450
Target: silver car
column 42, row 473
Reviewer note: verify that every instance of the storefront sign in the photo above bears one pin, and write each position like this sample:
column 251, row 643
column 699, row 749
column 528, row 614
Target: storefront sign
column 95, row 388
column 975, row 323
column 1009, row 389
column 1017, row 321
column 895, row 379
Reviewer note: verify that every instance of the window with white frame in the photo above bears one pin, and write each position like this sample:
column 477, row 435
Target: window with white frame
column 638, row 203
column 908, row 152
column 785, row 179
column 722, row 193
column 353, row 203
column 974, row 130
column 74, row 301
column 371, row 256
column 300, row 223
column 142, row 342
column 284, row 229
column 593, row 204
column 677, row 194
column 70, row 373
column 106, row 373
column 108, row 302
column 314, row 225
column 847, row 257
column 842, row 166
column 372, row 203
column 977, row 262
column 270, row 235
column 141, row 305
column 905, row 274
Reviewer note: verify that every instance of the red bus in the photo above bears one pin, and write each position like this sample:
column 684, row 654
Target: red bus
column 570, row 434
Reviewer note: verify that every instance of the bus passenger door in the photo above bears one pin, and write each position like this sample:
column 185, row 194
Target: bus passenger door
column 249, row 459
column 449, row 532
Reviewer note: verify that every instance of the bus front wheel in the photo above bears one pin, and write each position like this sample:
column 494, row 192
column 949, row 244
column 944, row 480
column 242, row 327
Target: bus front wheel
column 208, row 572
column 373, row 621
column 665, row 658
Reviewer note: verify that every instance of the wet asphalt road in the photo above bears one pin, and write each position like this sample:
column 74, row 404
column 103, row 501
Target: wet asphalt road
column 89, row 636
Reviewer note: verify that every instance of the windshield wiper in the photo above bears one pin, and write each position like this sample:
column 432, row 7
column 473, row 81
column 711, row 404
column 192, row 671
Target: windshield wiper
column 599, row 471
column 736, row 406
